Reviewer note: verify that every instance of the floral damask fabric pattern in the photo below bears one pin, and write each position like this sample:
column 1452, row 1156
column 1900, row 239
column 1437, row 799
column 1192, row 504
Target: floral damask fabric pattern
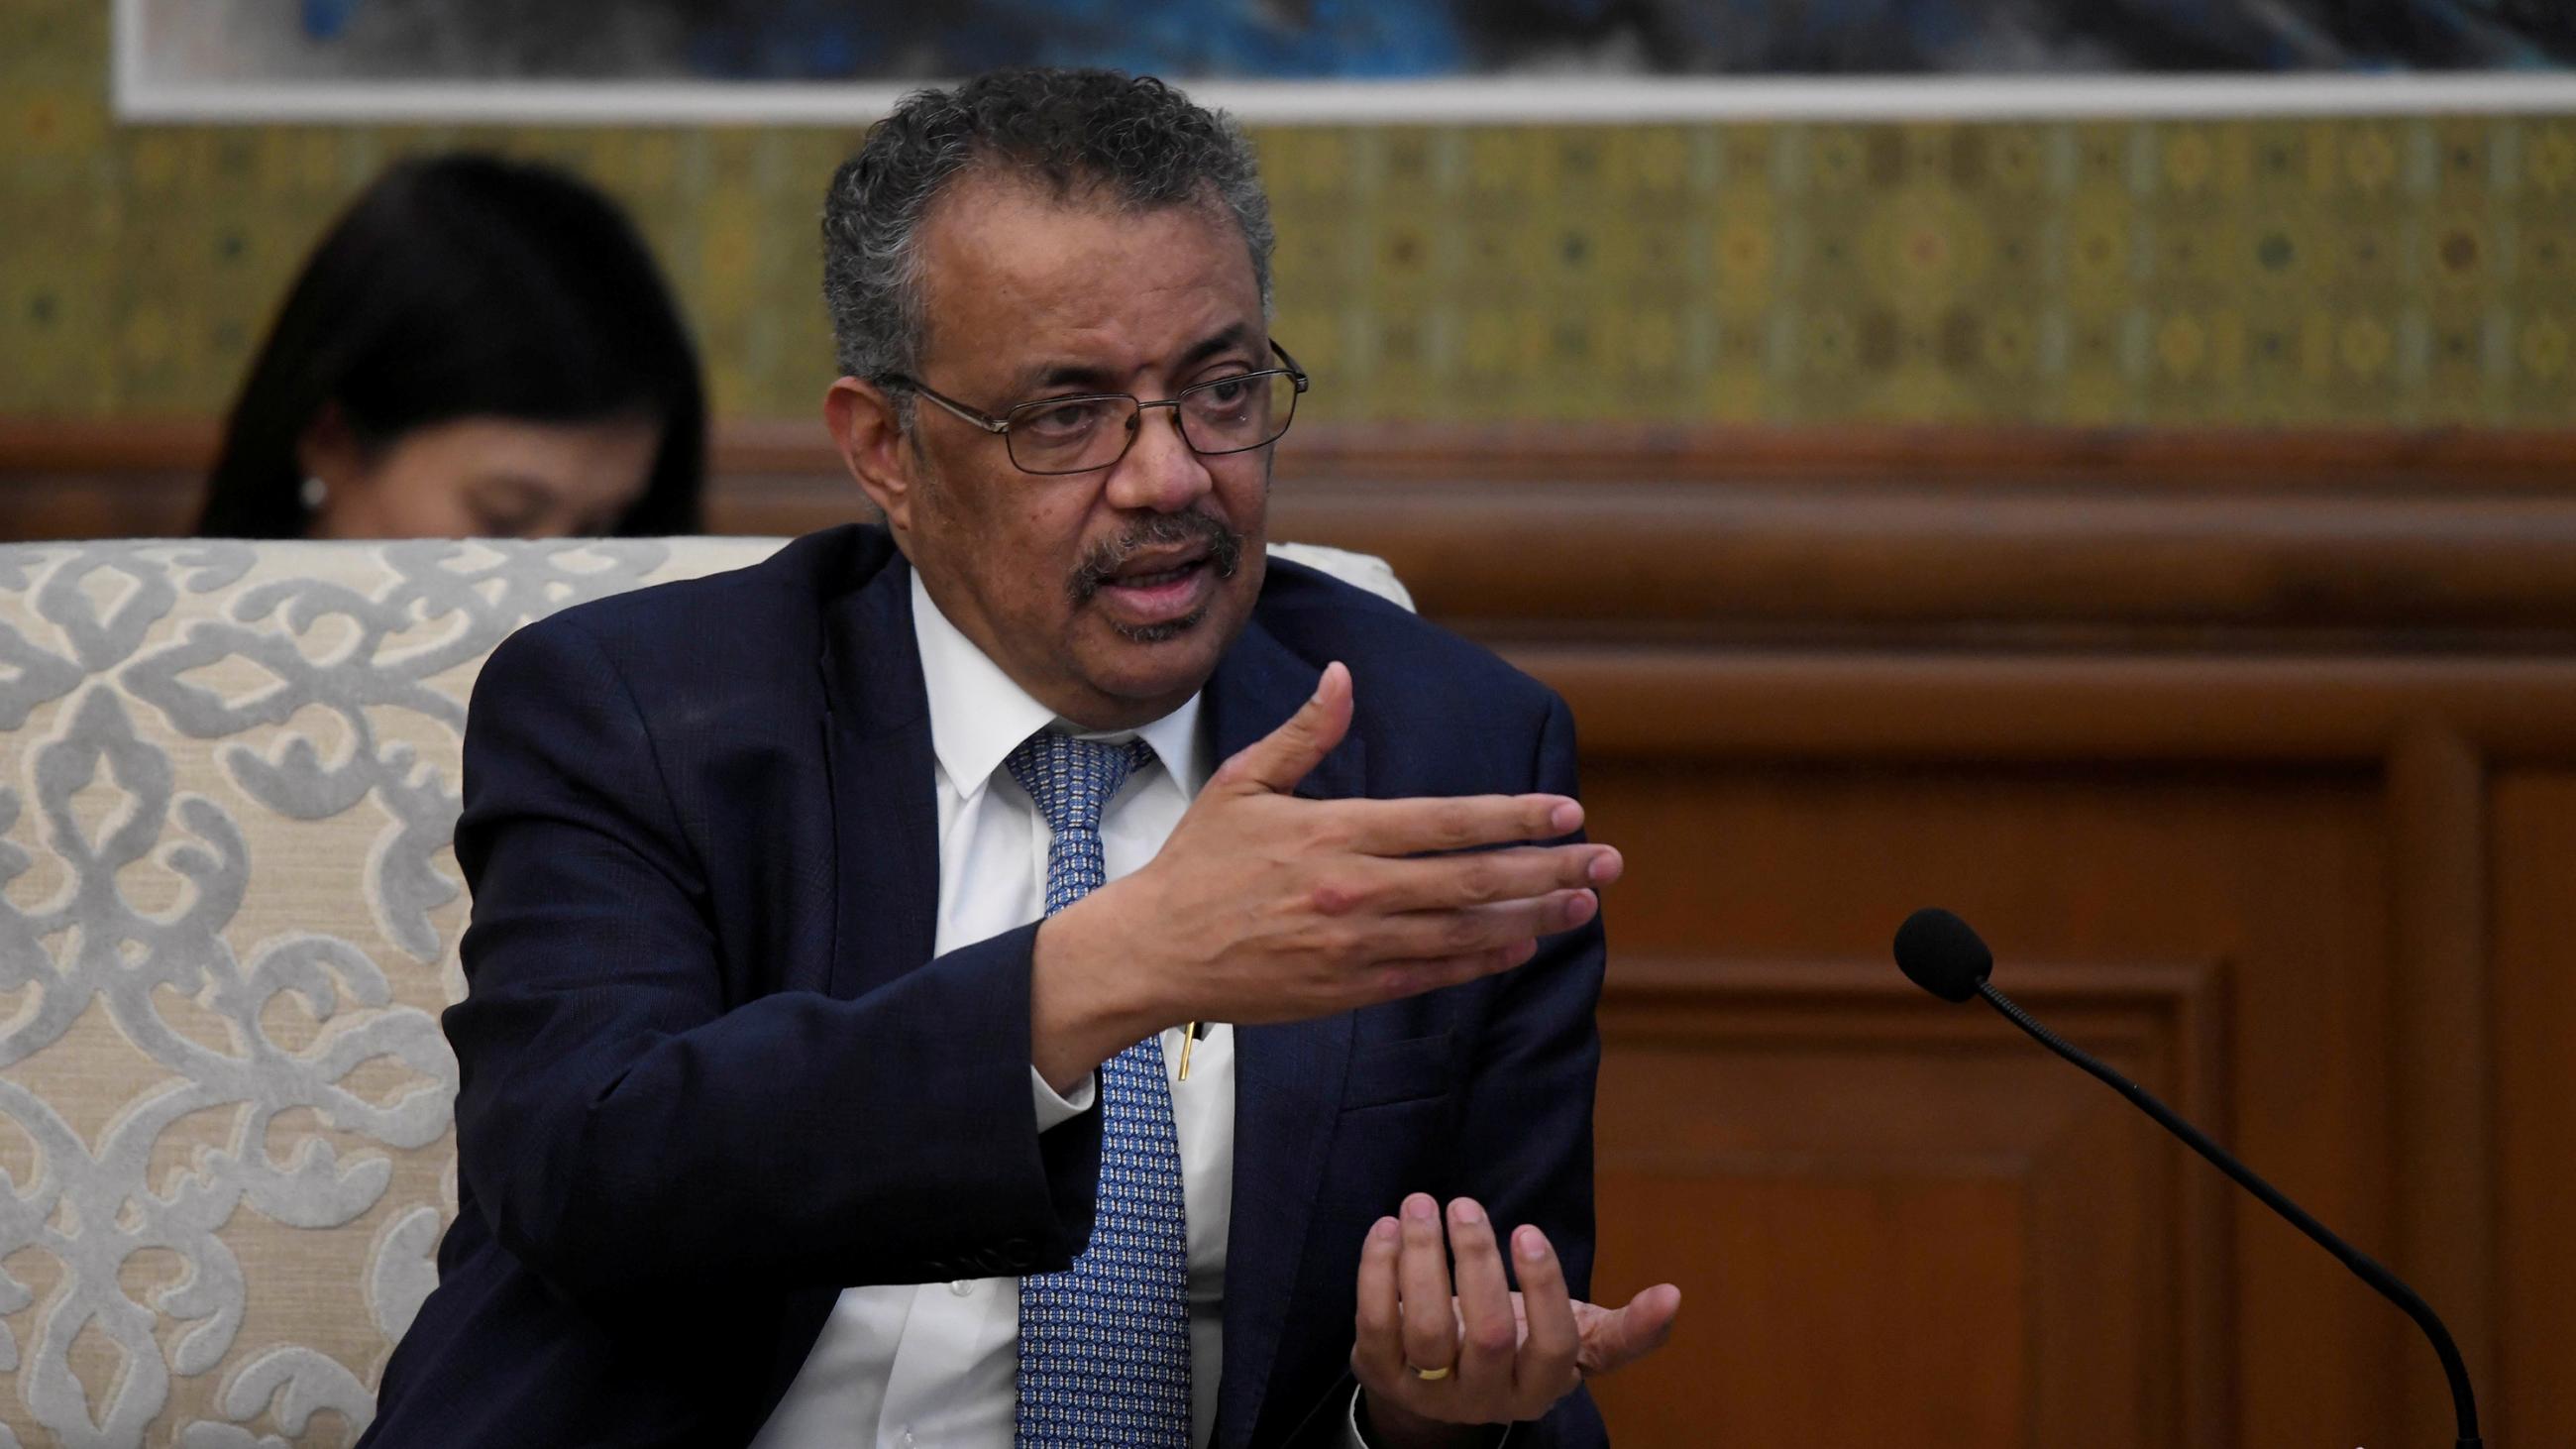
column 228, row 919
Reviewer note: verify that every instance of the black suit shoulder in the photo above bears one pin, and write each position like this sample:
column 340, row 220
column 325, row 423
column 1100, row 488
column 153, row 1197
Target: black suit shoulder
column 750, row 632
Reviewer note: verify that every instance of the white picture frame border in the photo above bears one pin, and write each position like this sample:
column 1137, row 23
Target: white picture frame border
column 1606, row 100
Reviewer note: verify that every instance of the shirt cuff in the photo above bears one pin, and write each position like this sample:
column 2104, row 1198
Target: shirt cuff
column 1054, row 1111
column 1352, row 1438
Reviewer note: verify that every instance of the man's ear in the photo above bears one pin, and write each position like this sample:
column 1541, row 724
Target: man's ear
column 869, row 433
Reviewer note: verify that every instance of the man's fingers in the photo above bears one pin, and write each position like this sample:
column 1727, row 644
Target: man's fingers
column 1426, row 935
column 1377, row 1343
column 1422, row 1274
column 1547, row 1361
column 1615, row 1338
column 1420, row 825
column 1286, row 755
column 1400, row 979
column 1487, row 877
column 1516, row 929
column 1487, row 1331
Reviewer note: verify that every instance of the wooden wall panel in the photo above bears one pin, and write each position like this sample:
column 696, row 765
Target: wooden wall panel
column 1812, row 1302
column 2440, row 1072
column 2532, row 830
column 2281, row 876
column 1852, row 1182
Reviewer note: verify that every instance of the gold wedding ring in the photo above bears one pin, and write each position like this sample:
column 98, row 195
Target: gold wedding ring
column 1429, row 1376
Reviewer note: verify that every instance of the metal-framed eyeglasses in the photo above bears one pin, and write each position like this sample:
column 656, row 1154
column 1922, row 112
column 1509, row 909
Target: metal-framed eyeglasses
column 1084, row 433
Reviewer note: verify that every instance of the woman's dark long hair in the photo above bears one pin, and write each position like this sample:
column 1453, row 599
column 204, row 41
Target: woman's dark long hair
column 458, row 286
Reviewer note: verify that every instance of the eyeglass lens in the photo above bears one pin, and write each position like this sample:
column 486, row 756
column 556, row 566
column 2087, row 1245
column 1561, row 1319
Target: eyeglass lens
column 1074, row 435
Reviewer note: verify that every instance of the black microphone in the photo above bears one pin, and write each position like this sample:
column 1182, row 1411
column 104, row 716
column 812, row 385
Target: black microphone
column 1940, row 953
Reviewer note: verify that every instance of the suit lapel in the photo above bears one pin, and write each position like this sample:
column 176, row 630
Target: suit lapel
column 885, row 800
column 885, row 827
column 1288, row 1078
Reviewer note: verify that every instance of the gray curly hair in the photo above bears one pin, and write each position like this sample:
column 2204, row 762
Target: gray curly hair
column 1131, row 140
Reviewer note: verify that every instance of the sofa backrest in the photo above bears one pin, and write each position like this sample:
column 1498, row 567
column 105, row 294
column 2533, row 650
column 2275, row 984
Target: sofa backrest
column 229, row 912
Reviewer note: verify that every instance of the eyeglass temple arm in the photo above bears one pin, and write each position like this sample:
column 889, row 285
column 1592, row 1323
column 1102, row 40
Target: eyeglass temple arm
column 957, row 409
column 1296, row 371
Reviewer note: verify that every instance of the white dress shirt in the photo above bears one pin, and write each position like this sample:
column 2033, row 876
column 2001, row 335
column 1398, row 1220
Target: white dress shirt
column 935, row 1365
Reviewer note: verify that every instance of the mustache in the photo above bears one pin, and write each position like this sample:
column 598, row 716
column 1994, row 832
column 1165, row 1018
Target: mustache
column 1161, row 530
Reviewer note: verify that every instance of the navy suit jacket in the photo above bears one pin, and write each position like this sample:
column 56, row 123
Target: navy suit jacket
column 712, row 1073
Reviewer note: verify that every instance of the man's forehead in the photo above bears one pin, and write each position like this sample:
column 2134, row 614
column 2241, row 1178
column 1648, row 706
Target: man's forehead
column 998, row 250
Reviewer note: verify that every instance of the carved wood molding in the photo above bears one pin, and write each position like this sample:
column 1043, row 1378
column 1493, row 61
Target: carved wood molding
column 1968, row 458
column 2223, row 460
column 1903, row 560
column 2023, row 708
column 1948, row 539
column 2107, row 1007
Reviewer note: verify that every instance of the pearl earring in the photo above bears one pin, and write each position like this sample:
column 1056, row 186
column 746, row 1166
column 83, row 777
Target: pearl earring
column 313, row 493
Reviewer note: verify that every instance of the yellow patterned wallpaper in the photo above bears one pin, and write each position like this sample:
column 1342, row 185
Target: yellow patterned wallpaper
column 2354, row 272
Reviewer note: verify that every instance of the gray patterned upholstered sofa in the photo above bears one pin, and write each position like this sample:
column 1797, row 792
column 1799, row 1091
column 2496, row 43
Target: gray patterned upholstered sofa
column 228, row 921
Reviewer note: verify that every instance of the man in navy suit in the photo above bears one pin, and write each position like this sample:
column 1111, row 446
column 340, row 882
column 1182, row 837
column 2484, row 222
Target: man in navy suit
column 1035, row 973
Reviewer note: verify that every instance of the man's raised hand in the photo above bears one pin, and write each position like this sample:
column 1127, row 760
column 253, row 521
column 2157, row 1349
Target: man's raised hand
column 1265, row 907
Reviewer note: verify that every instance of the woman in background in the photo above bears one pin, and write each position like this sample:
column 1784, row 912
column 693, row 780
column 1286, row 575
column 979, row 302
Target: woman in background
column 479, row 347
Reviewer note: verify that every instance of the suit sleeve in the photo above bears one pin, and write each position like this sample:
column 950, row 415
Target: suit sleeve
column 624, row 1127
column 1526, row 1147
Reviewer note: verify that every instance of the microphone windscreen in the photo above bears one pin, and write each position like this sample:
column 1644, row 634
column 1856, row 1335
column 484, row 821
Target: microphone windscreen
column 1941, row 953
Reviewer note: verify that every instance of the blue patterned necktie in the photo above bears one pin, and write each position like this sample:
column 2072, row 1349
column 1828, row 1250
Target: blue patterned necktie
column 1105, row 1347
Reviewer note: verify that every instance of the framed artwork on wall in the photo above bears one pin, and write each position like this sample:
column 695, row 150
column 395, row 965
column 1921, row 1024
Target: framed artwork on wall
column 839, row 61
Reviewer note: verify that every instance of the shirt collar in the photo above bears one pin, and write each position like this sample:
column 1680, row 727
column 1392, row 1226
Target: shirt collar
column 978, row 715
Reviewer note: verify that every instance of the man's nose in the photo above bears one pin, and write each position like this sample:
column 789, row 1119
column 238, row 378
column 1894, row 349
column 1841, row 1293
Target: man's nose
column 1161, row 471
